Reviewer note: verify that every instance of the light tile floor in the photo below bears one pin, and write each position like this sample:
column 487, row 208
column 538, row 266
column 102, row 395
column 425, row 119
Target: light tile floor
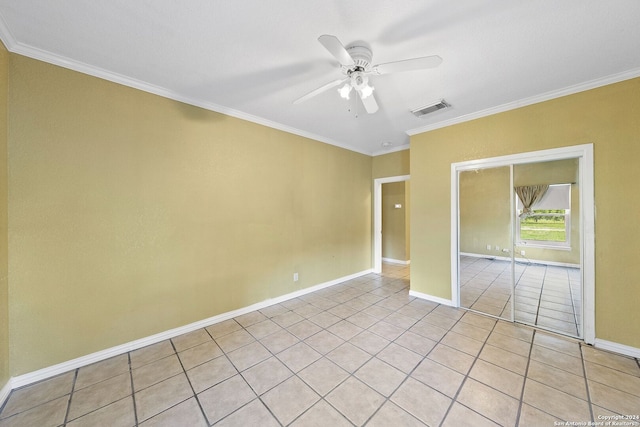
column 546, row 296
column 360, row 353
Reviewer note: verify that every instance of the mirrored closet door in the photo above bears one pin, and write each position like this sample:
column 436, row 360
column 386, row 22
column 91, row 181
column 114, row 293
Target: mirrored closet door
column 520, row 241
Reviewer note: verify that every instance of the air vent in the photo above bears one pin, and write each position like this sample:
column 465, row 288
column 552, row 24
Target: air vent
column 431, row 108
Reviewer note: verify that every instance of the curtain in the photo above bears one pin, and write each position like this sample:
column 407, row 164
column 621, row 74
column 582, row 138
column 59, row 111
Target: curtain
column 529, row 195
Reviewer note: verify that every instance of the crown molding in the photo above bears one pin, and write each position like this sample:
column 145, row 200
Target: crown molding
column 547, row 96
column 389, row 150
column 35, row 53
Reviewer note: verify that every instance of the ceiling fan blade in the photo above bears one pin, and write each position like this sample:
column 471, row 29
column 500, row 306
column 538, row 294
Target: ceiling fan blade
column 370, row 103
column 408, row 65
column 319, row 90
column 333, row 45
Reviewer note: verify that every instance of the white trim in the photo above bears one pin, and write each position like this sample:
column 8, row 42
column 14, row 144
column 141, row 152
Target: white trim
column 627, row 350
column 587, row 211
column 5, row 391
column 569, row 90
column 390, row 150
column 432, row 298
column 396, row 261
column 377, row 217
column 79, row 362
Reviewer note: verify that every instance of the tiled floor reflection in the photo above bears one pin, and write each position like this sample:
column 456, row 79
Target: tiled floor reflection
column 360, row 353
column 546, row 296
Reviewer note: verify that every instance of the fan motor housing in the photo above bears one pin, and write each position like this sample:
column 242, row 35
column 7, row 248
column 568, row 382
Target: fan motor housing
column 361, row 55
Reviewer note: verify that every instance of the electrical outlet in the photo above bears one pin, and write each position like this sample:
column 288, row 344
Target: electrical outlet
column 488, row 247
column 505, row 249
column 497, row 248
column 522, row 253
column 295, row 277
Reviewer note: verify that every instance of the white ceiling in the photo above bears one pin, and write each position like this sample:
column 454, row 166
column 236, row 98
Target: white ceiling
column 253, row 58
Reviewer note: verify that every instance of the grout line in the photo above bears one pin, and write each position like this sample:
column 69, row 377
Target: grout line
column 526, row 376
column 133, row 391
column 73, row 388
column 586, row 383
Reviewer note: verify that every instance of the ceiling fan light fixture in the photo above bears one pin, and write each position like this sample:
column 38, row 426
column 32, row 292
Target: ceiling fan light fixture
column 344, row 91
column 366, row 91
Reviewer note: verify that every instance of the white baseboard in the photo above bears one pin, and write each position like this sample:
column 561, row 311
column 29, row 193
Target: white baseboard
column 432, row 298
column 41, row 374
column 4, row 392
column 617, row 348
column 522, row 260
column 396, row 261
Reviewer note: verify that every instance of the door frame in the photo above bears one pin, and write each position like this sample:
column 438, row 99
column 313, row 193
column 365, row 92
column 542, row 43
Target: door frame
column 377, row 217
column 584, row 153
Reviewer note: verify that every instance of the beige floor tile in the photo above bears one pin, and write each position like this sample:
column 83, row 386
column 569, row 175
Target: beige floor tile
column 504, row 359
column 399, row 357
column 155, row 372
column 36, row 394
column 323, row 376
column 428, row 330
column 380, row 376
column 262, row 329
column 298, row 356
column 462, row 343
column 100, row 371
column 345, row 330
column 555, row 402
column 558, row 378
column 199, row 354
column 249, row 355
column 319, row 415
column 324, row 341
column 416, row 343
column 613, row 399
column 250, row 318
column 307, row 310
column 234, row 340
column 489, row 402
column 530, row 416
column 50, row 414
column 187, row 413
column 253, row 413
column 287, row 319
column 439, row 377
column 98, row 395
column 266, row 375
column 279, row 341
column 451, row 358
column 211, row 373
column 355, row 400
column 362, row 320
column 613, row 378
column 620, row 363
column 349, row 357
column 324, row 319
column 496, row 377
column 162, row 396
column 192, row 339
column 514, row 331
column 290, row 399
column 471, row 331
column 151, row 353
column 444, row 322
column 223, row 328
column 117, row 414
column 511, row 344
column 225, row 398
column 392, row 415
column 424, row 403
column 557, row 359
column 369, row 342
column 461, row 416
column 304, row 329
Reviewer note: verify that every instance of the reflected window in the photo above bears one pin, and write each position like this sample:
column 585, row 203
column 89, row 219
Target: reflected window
column 549, row 223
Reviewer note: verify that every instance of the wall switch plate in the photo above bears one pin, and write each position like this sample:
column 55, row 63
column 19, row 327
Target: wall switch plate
column 488, row 247
column 295, row 277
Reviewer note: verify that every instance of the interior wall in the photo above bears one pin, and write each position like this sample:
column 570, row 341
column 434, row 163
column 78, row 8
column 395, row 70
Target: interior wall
column 4, row 238
column 394, row 221
column 608, row 118
column 391, row 164
column 131, row 214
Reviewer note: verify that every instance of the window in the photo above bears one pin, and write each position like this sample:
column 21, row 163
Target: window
column 549, row 223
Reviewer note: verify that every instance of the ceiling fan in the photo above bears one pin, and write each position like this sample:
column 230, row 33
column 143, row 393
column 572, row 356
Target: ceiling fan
column 355, row 64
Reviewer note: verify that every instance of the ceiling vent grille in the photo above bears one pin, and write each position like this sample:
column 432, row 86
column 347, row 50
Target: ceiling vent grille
column 431, row 108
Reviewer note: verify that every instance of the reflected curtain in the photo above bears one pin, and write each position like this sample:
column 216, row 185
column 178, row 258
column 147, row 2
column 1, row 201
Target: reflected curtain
column 529, row 195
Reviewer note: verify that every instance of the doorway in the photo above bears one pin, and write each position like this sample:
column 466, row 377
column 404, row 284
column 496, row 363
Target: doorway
column 526, row 264
column 377, row 217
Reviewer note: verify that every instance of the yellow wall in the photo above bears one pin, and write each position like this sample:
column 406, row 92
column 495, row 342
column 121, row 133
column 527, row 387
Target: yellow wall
column 606, row 117
column 131, row 214
column 394, row 221
column 4, row 283
column 392, row 164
